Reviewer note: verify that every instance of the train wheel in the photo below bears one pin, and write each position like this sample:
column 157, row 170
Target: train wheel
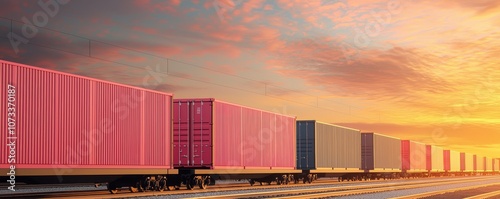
column 112, row 188
column 162, row 185
column 252, row 182
column 203, row 184
column 191, row 183
column 133, row 189
column 146, row 185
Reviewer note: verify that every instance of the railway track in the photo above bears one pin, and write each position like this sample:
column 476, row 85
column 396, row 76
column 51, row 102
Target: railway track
column 342, row 191
column 304, row 190
column 433, row 193
column 103, row 192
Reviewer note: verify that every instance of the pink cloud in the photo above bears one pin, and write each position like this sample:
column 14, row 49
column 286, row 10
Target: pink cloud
column 147, row 30
column 373, row 74
column 249, row 6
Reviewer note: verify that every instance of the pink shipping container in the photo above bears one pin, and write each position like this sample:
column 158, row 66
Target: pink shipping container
column 70, row 125
column 209, row 133
column 466, row 162
column 451, row 160
column 434, row 156
column 413, row 156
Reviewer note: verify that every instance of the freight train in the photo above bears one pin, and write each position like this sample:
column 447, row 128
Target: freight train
column 64, row 128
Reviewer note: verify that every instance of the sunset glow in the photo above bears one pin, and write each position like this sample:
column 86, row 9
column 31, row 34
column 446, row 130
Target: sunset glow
column 426, row 70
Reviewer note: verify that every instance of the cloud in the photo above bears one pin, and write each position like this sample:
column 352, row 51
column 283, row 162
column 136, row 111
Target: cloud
column 374, row 74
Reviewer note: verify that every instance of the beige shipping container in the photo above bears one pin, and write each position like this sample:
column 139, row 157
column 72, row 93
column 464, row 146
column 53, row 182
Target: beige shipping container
column 435, row 158
column 451, row 160
column 466, row 162
column 380, row 152
column 335, row 147
column 480, row 167
column 489, row 164
column 455, row 160
column 496, row 167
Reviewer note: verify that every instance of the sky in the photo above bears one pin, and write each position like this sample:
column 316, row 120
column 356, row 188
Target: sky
column 424, row 70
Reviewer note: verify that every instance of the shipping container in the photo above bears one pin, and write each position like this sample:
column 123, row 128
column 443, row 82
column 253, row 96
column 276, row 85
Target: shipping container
column 65, row 124
column 466, row 162
column 451, row 160
column 327, row 146
column 380, row 152
column 213, row 134
column 413, row 156
column 489, row 164
column 474, row 157
column 434, row 158
column 481, row 164
column 496, row 166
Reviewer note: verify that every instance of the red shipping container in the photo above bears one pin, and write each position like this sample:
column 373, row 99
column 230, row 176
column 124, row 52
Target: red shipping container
column 209, row 133
column 66, row 123
column 474, row 158
column 413, row 156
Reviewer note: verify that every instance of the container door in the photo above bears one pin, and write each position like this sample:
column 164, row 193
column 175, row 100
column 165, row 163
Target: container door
column 305, row 145
column 367, row 155
column 181, row 136
column 193, row 133
column 201, row 133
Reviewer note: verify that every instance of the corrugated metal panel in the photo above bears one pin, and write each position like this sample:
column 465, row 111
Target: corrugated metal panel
column 285, row 142
column 480, row 161
column 337, row 147
column 258, row 139
column 193, row 133
column 306, row 145
column 413, row 155
column 228, row 154
column 434, row 158
column 451, row 160
column 72, row 120
column 489, row 164
column 474, row 158
column 380, row 152
column 466, row 162
column 462, row 161
column 446, row 158
column 251, row 136
column 367, row 151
